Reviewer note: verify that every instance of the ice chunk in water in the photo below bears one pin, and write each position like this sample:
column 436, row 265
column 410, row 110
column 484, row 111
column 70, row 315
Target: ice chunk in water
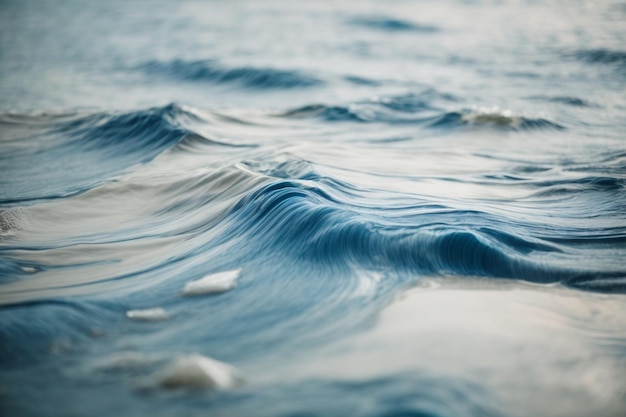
column 213, row 283
column 150, row 314
column 195, row 371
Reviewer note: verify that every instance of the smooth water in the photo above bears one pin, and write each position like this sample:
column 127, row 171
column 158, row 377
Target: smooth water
column 413, row 208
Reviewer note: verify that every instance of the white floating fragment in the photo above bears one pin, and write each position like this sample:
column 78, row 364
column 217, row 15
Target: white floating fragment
column 29, row 269
column 150, row 314
column 214, row 283
column 195, row 371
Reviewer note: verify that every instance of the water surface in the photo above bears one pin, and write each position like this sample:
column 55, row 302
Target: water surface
column 423, row 202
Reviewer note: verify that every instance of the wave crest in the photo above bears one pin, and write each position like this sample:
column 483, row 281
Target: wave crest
column 390, row 24
column 308, row 224
column 420, row 109
column 602, row 56
column 77, row 154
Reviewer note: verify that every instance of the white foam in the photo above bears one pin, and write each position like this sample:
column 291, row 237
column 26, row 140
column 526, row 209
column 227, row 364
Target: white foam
column 214, row 283
column 195, row 371
column 150, row 314
column 492, row 116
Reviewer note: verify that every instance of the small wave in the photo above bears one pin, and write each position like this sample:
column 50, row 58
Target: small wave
column 356, row 80
column 194, row 142
column 571, row 101
column 16, row 127
column 390, row 24
column 397, row 108
column 606, row 284
column 602, row 56
column 415, row 102
column 505, row 119
column 567, row 100
column 213, row 72
column 147, row 131
column 328, row 113
column 611, row 185
column 74, row 155
column 420, row 109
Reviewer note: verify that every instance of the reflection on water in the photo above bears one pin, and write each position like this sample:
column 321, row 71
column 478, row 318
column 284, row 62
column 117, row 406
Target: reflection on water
column 540, row 350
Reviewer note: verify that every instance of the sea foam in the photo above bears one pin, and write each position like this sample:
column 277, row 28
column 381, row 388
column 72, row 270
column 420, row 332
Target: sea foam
column 150, row 314
column 195, row 371
column 213, row 283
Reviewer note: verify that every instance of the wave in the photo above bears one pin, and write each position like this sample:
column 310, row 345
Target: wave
column 213, row 72
column 571, row 101
column 499, row 118
column 602, row 56
column 613, row 186
column 420, row 109
column 59, row 158
column 397, row 108
column 425, row 240
column 356, row 80
column 390, row 24
column 567, row 100
column 78, row 152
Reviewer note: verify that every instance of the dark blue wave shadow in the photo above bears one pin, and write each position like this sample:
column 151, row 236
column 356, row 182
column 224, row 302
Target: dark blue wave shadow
column 421, row 109
column 213, row 72
column 390, row 24
column 310, row 225
column 571, row 101
column 72, row 156
column 602, row 56
column 26, row 337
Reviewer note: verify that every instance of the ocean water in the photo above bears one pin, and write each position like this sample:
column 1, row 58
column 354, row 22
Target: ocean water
column 330, row 208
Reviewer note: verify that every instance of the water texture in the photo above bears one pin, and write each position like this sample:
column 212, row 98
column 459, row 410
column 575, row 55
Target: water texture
column 403, row 208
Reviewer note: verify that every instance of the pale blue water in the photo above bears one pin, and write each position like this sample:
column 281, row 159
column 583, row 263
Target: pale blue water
column 337, row 153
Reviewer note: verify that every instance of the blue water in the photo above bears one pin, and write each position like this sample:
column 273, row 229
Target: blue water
column 467, row 157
